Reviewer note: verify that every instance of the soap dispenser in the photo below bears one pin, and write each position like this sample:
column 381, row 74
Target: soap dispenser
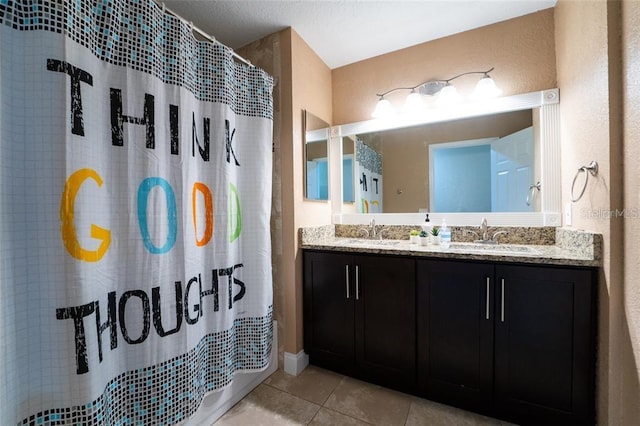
column 426, row 227
column 445, row 235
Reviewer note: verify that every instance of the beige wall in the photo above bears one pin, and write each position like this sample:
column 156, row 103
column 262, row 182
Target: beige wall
column 589, row 74
column 528, row 50
column 630, row 338
column 311, row 82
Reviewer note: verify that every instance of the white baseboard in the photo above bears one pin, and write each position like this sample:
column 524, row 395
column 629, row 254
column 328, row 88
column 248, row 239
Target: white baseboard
column 295, row 363
column 216, row 404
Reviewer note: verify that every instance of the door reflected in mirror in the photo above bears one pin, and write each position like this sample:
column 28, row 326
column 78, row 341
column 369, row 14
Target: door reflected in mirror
column 316, row 154
column 480, row 164
column 491, row 174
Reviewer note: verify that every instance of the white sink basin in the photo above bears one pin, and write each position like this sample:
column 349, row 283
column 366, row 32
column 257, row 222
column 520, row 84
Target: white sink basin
column 367, row 242
column 453, row 247
column 493, row 248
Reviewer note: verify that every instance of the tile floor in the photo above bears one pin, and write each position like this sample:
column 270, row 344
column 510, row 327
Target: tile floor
column 321, row 397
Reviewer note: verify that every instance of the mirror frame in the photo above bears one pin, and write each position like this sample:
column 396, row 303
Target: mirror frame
column 550, row 194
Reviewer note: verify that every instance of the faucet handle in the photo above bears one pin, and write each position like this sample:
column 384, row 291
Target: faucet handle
column 469, row 231
column 497, row 234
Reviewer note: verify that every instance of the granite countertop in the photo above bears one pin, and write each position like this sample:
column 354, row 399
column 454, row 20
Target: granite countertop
column 571, row 248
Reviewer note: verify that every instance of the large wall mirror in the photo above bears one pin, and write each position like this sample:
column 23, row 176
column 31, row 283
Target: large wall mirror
column 498, row 159
column 316, row 157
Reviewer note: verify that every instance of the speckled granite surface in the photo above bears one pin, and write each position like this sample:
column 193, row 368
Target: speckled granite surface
column 514, row 235
column 562, row 247
column 587, row 243
column 316, row 233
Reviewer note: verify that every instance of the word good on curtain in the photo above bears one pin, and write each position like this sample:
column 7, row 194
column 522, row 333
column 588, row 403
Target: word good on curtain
column 135, row 193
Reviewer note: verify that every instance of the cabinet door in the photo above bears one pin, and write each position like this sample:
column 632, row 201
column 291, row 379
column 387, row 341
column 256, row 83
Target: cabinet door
column 385, row 320
column 544, row 356
column 455, row 332
column 329, row 310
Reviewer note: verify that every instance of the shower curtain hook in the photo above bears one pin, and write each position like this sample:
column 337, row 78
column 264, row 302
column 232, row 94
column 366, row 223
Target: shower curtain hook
column 164, row 8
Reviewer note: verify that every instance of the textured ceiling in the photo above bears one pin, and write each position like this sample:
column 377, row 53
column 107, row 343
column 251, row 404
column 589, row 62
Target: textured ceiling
column 347, row 31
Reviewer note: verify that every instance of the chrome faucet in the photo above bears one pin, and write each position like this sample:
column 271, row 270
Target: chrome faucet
column 372, row 231
column 484, row 230
column 495, row 236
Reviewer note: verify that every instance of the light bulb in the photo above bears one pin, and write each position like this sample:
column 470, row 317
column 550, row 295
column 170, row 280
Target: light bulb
column 448, row 96
column 383, row 109
column 485, row 89
column 413, row 103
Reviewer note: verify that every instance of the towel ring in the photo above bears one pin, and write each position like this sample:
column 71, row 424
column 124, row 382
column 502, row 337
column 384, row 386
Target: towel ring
column 532, row 194
column 592, row 168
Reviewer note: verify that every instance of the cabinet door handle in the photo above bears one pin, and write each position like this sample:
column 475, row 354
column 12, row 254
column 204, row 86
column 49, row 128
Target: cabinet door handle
column 502, row 300
column 346, row 274
column 487, row 302
column 357, row 283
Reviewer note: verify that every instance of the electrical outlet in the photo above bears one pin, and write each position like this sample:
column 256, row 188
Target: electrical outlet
column 567, row 214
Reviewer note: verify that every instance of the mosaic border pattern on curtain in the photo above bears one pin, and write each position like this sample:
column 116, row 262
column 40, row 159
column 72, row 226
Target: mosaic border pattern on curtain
column 116, row 32
column 368, row 157
column 153, row 395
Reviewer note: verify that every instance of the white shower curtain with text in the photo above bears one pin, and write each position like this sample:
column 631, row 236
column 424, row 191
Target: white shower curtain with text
column 135, row 193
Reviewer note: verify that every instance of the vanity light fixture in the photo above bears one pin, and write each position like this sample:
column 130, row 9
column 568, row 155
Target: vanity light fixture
column 447, row 94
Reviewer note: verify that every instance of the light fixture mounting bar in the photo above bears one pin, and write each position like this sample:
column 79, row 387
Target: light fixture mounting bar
column 433, row 86
column 471, row 72
column 382, row 95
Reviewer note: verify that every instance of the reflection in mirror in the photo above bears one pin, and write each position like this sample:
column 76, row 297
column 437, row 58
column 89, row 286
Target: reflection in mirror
column 480, row 164
column 316, row 166
column 368, row 172
column 348, row 182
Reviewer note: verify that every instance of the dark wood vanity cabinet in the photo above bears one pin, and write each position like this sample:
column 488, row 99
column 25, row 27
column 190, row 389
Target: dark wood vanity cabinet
column 545, row 344
column 359, row 316
column 511, row 341
column 455, row 332
column 329, row 310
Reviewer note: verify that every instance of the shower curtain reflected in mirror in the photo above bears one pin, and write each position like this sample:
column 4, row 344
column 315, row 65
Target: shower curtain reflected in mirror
column 368, row 176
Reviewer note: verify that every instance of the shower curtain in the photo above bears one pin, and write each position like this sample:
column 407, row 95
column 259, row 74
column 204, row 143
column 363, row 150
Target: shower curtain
column 135, row 169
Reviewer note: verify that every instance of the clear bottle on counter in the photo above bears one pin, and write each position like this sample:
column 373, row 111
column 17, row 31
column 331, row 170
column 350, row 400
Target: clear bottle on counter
column 445, row 235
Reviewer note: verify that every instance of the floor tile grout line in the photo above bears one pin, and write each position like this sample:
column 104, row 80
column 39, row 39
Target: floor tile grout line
column 319, row 406
column 323, row 404
column 297, row 396
column 333, row 391
column 413, row 401
column 406, row 419
column 314, row 414
column 291, row 394
column 347, row 415
column 344, row 377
